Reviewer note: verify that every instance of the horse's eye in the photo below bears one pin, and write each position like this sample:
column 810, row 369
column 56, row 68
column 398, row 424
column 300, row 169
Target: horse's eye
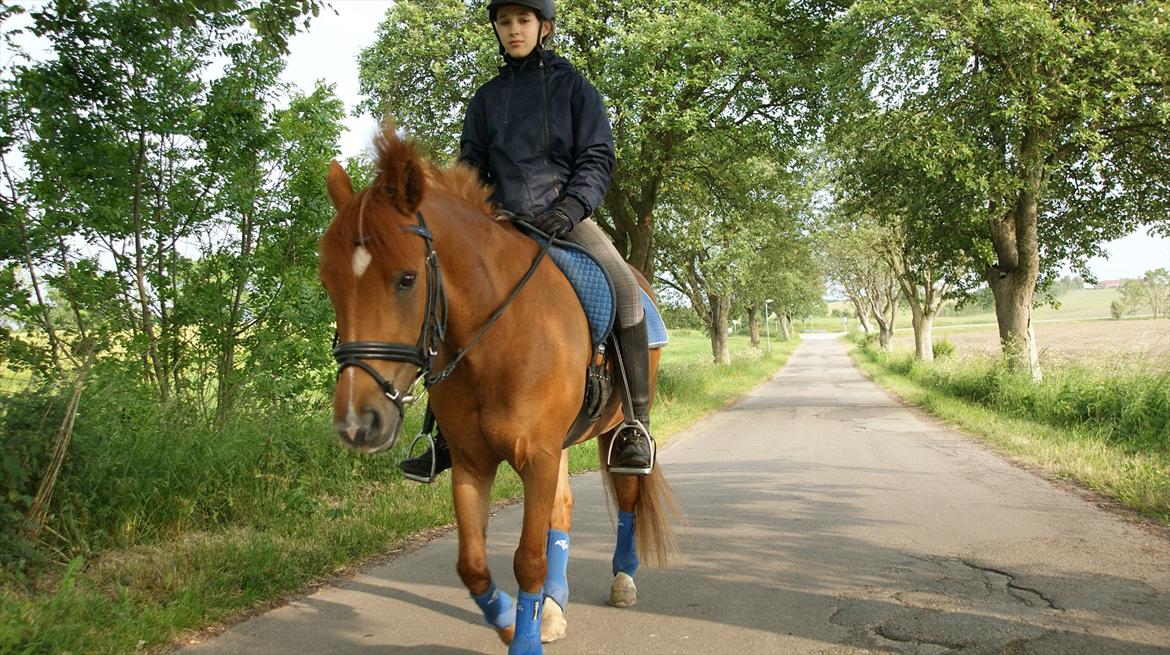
column 406, row 282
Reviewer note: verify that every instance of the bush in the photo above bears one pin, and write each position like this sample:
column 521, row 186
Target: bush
column 942, row 349
column 28, row 420
column 1116, row 309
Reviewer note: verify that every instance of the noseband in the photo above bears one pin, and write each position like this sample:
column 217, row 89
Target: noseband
column 432, row 333
column 423, row 353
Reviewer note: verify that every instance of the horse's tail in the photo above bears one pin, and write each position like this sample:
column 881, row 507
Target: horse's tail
column 656, row 506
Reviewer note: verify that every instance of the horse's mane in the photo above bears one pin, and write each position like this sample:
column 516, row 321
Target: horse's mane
column 459, row 179
column 399, row 162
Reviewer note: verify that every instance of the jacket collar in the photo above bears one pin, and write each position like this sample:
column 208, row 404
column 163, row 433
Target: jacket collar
column 531, row 62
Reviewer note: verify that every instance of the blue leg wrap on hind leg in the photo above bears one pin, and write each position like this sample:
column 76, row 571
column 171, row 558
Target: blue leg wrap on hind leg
column 526, row 641
column 625, row 554
column 496, row 606
column 556, row 581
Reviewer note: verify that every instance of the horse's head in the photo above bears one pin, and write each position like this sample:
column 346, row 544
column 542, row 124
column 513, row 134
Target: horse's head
column 374, row 265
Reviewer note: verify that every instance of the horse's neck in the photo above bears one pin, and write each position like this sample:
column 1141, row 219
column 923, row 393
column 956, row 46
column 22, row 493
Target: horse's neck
column 481, row 263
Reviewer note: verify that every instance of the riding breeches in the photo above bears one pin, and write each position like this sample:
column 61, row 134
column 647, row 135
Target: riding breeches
column 629, row 297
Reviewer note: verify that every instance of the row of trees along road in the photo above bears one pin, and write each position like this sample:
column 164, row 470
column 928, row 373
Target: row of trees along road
column 162, row 192
column 712, row 105
column 995, row 142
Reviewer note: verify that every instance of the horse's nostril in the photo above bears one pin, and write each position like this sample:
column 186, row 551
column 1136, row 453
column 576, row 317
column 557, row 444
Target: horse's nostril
column 374, row 422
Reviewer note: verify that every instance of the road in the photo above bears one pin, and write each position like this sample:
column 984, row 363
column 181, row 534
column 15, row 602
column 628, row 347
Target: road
column 822, row 517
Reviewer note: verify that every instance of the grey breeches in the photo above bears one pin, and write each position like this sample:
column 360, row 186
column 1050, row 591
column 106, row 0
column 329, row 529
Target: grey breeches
column 629, row 297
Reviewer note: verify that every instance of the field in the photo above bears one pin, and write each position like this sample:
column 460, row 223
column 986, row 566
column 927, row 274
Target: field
column 1081, row 304
column 1065, row 341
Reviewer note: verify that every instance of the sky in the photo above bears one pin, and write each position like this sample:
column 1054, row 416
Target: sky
column 329, row 49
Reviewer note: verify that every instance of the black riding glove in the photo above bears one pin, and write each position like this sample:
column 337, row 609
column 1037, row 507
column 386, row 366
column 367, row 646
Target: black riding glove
column 561, row 218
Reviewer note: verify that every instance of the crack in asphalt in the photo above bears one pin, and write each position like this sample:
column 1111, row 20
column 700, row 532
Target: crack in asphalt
column 1016, row 589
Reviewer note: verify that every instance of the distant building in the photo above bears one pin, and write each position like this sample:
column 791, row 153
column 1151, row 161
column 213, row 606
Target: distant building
column 1109, row 284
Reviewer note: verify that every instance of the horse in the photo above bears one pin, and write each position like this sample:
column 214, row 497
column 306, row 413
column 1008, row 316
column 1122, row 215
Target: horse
column 499, row 338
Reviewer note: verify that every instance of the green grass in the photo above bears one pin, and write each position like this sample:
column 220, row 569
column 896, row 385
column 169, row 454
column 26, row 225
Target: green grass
column 162, row 527
column 1105, row 426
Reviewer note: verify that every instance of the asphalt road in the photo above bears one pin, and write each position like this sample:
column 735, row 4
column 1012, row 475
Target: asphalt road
column 823, row 517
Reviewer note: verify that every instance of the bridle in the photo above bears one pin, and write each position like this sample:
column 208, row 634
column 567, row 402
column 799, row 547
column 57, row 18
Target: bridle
column 423, row 352
column 433, row 331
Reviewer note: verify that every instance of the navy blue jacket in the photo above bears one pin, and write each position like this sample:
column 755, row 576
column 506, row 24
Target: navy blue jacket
column 538, row 133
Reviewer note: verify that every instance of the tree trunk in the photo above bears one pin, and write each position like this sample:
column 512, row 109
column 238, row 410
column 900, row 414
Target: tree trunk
column 923, row 339
column 155, row 372
column 1013, row 278
column 862, row 314
column 754, row 325
column 720, row 306
column 786, row 326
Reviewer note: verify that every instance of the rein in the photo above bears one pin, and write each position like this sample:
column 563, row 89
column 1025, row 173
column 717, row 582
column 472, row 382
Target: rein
column 432, row 333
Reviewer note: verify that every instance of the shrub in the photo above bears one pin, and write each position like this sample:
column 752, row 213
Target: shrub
column 942, row 349
column 25, row 450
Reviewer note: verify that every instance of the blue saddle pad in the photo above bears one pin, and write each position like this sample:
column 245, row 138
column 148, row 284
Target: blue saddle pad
column 595, row 291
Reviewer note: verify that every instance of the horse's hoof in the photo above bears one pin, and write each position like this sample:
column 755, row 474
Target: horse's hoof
column 553, row 625
column 506, row 634
column 622, row 593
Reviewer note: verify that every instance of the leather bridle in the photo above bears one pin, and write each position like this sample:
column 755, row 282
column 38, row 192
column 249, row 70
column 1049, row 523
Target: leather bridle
column 422, row 353
column 431, row 334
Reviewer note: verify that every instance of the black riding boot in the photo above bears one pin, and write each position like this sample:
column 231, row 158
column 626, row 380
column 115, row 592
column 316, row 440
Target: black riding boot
column 425, row 467
column 632, row 450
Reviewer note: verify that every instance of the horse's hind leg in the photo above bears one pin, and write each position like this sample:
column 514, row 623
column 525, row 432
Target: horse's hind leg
column 472, row 492
column 556, row 582
column 622, row 592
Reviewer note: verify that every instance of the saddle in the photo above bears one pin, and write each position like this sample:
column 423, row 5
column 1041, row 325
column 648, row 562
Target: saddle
column 596, row 293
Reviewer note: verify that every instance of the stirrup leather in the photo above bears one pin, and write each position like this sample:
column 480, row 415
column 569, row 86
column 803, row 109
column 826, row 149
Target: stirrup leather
column 430, row 440
column 632, row 470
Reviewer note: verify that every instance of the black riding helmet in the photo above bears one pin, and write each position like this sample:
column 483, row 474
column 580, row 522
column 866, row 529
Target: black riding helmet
column 545, row 9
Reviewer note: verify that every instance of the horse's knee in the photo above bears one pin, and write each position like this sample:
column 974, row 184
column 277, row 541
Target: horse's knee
column 530, row 567
column 474, row 574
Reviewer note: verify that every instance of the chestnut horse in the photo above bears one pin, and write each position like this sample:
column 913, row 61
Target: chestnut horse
column 506, row 390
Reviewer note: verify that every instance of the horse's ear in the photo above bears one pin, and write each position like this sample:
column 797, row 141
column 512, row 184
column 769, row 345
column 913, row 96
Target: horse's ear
column 340, row 188
column 412, row 184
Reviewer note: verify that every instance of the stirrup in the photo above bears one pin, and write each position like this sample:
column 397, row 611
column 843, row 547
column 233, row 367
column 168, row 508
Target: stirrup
column 632, row 470
column 434, row 459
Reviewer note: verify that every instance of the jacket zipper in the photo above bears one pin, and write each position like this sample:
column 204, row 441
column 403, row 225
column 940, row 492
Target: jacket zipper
column 544, row 108
column 508, row 99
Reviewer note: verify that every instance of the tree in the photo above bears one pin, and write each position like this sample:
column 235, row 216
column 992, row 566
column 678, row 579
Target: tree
column 154, row 184
column 851, row 251
column 1152, row 290
column 728, row 230
column 672, row 74
column 1039, row 142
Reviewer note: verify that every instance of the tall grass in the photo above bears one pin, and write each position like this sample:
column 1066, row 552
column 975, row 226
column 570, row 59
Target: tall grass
column 163, row 524
column 1106, row 426
column 1125, row 405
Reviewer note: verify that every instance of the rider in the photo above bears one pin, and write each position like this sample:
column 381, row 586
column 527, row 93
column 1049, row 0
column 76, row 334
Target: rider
column 539, row 135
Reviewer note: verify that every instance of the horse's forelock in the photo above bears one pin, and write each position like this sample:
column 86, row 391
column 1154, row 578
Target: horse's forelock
column 370, row 221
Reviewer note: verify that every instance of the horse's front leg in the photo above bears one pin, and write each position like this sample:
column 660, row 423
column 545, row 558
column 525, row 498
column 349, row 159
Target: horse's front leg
column 539, row 473
column 553, row 625
column 472, row 491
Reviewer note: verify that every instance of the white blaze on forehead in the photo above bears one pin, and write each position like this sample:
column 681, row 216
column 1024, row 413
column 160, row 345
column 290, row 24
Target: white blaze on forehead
column 361, row 261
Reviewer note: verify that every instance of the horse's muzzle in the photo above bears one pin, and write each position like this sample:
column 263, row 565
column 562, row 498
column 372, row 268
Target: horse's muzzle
column 373, row 431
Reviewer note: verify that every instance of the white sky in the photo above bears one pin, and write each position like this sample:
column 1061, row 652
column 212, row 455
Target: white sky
column 329, row 50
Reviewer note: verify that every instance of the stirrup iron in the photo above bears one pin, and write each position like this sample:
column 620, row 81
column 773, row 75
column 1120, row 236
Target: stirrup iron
column 430, row 440
column 632, row 470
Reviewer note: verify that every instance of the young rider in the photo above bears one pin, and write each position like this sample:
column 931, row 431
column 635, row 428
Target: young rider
column 539, row 135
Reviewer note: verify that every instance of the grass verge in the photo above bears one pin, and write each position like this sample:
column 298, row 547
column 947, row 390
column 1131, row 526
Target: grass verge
column 1107, row 428
column 210, row 527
